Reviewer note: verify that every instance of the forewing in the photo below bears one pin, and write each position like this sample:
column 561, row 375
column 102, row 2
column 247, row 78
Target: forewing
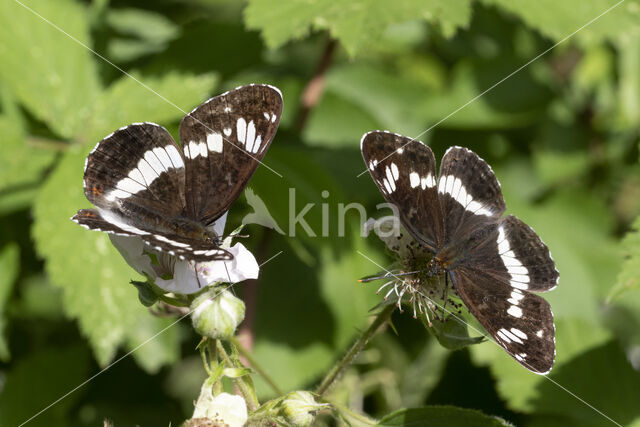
column 113, row 223
column 520, row 322
column 223, row 141
column 469, row 193
column 138, row 167
column 405, row 172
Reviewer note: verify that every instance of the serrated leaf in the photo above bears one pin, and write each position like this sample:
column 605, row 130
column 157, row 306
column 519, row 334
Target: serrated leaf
column 9, row 265
column 357, row 24
column 559, row 19
column 163, row 99
column 21, row 164
column 51, row 74
column 93, row 276
column 435, row 416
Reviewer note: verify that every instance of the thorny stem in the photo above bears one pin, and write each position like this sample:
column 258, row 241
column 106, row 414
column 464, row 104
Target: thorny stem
column 313, row 90
column 357, row 346
column 247, row 391
column 252, row 361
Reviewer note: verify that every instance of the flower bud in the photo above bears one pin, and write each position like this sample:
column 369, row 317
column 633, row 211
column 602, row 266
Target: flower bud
column 299, row 408
column 217, row 314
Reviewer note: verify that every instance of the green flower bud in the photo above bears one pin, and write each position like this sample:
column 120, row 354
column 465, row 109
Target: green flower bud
column 299, row 408
column 217, row 314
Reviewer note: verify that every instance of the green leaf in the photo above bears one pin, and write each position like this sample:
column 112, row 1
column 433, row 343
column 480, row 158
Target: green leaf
column 50, row 73
column 38, row 380
column 434, row 416
column 357, row 24
column 452, row 333
column 155, row 342
column 163, row 99
column 336, row 121
column 148, row 32
column 93, row 276
column 612, row 386
column 629, row 276
column 559, row 19
column 90, row 271
column 324, row 325
column 392, row 100
column 21, row 164
column 9, row 265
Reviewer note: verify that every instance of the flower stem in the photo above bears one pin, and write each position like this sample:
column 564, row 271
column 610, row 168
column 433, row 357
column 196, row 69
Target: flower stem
column 247, row 355
column 246, row 389
column 351, row 415
column 357, row 346
column 213, row 358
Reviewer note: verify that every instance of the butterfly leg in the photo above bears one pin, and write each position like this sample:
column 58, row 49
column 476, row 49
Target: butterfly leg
column 445, row 296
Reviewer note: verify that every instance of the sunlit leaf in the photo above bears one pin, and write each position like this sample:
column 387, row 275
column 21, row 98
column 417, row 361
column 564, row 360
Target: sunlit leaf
column 50, row 73
column 9, row 265
column 356, row 23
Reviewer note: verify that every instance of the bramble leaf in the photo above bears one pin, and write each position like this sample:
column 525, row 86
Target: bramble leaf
column 52, row 75
column 357, row 24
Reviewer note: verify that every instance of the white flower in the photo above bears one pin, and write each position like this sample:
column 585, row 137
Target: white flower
column 223, row 409
column 410, row 279
column 186, row 277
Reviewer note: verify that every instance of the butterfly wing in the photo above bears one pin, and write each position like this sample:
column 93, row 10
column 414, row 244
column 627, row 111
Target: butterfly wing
column 469, row 194
column 136, row 168
column 110, row 222
column 223, row 142
column 495, row 280
column 405, row 172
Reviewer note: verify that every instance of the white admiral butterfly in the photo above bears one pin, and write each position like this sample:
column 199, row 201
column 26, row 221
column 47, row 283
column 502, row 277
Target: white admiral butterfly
column 144, row 185
column 494, row 262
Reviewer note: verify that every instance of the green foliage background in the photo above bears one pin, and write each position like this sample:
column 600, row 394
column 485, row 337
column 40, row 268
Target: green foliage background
column 561, row 134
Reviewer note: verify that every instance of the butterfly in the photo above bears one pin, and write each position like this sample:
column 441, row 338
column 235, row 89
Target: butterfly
column 143, row 184
column 494, row 262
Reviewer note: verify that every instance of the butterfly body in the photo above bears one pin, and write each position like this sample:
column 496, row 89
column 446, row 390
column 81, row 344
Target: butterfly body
column 144, row 184
column 456, row 216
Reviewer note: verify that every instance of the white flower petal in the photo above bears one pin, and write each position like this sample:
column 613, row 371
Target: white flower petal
column 224, row 408
column 131, row 248
column 243, row 266
column 218, row 226
column 184, row 279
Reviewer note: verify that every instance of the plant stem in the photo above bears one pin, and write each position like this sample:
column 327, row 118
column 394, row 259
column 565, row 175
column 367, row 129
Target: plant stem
column 213, row 358
column 357, row 346
column 348, row 413
column 252, row 361
column 247, row 391
column 313, row 90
